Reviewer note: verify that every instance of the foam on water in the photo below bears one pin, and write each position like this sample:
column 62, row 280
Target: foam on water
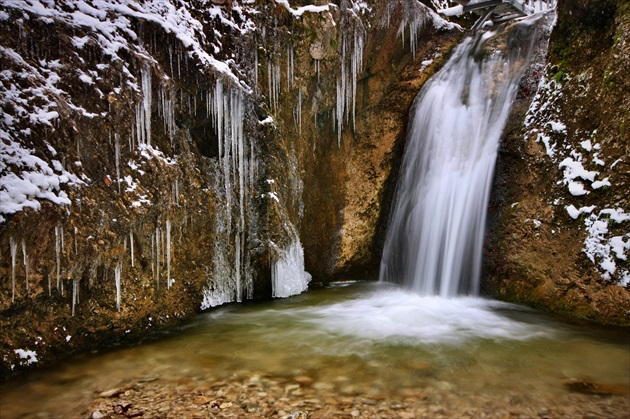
column 404, row 317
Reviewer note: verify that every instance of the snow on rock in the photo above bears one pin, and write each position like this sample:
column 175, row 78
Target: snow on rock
column 575, row 213
column 604, row 246
column 602, row 250
column 303, row 9
column 557, row 126
column 110, row 24
column 25, row 178
column 29, row 357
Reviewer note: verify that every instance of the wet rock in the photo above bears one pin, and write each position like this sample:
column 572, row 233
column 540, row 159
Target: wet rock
column 296, row 415
column 115, row 392
column 587, row 387
column 201, row 400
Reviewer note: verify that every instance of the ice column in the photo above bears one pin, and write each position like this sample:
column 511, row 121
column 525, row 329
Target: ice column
column 25, row 262
column 273, row 81
column 58, row 239
column 143, row 108
column 75, row 294
column 288, row 276
column 117, row 272
column 13, row 246
column 131, row 246
column 117, row 152
column 290, row 67
column 166, row 110
column 231, row 279
column 168, row 254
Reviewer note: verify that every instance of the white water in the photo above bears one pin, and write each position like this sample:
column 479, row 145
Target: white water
column 397, row 316
column 435, row 239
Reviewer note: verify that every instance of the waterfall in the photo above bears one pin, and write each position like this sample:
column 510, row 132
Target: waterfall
column 435, row 235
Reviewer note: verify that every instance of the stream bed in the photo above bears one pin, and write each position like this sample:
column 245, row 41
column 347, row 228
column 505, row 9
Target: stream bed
column 350, row 350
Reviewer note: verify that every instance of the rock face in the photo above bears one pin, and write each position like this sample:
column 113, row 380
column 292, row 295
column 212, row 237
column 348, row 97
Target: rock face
column 158, row 158
column 560, row 214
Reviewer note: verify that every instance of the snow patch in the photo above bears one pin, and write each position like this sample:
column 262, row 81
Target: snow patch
column 29, row 356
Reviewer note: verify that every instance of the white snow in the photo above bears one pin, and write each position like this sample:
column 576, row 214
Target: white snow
column 577, row 189
column 574, row 169
column 303, row 9
column 606, row 242
column 452, row 11
column 587, row 145
column 600, row 183
column 558, row 126
column 575, row 213
column 28, row 355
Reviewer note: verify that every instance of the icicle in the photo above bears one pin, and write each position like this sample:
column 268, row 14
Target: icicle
column 290, row 67
column 58, row 239
column 273, row 76
column 143, row 108
column 166, row 110
column 117, row 152
column 75, row 295
column 352, row 43
column 25, row 263
column 299, row 113
column 76, row 247
column 176, row 192
column 256, row 68
column 49, row 284
column 131, row 247
column 157, row 256
column 117, row 272
column 153, row 260
column 13, row 246
column 168, row 254
column 236, row 178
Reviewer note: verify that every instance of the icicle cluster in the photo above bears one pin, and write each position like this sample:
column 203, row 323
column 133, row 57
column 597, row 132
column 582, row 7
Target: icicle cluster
column 414, row 16
column 288, row 276
column 166, row 110
column 351, row 50
column 231, row 279
column 273, row 82
column 143, row 108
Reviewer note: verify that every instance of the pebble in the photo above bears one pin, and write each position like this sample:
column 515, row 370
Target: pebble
column 290, row 397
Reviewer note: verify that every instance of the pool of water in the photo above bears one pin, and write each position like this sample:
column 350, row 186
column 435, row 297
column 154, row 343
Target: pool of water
column 368, row 340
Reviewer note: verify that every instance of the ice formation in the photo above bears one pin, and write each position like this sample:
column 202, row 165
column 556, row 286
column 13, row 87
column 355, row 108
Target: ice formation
column 288, row 276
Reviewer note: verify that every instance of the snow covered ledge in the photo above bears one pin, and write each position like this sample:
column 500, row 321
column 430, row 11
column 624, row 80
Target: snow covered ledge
column 301, row 10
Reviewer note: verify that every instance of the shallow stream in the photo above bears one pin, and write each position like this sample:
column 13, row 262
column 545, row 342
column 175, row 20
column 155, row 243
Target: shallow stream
column 359, row 349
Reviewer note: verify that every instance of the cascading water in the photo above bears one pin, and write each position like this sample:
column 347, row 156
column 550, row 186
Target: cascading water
column 435, row 235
